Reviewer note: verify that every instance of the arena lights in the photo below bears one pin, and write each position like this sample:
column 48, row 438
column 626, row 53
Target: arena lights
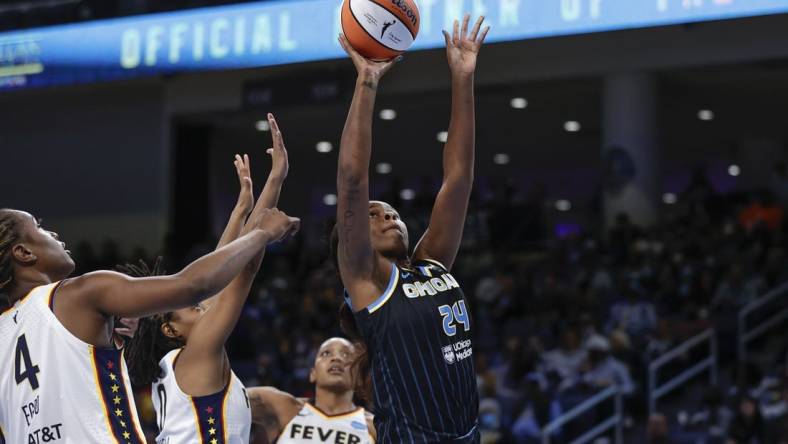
column 572, row 126
column 501, row 159
column 407, row 194
column 443, row 136
column 734, row 170
column 388, row 114
column 706, row 114
column 563, row 205
column 330, row 199
column 518, row 103
column 262, row 125
column 324, row 147
column 669, row 198
column 383, row 168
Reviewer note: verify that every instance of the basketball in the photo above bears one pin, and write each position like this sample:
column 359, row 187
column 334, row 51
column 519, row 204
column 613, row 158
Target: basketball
column 380, row 29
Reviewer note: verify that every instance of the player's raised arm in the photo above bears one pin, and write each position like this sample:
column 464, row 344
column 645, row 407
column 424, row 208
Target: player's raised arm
column 269, row 198
column 272, row 409
column 205, row 344
column 357, row 265
column 116, row 294
column 442, row 239
column 244, row 204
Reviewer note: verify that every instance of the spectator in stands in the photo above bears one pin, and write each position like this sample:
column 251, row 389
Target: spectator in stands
column 637, row 317
column 735, row 291
column 490, row 410
column 566, row 360
column 762, row 211
column 747, row 426
column 539, row 409
column 603, row 370
column 661, row 340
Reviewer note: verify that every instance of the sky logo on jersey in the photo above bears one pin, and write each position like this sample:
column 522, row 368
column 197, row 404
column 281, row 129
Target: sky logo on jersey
column 430, row 287
column 358, row 425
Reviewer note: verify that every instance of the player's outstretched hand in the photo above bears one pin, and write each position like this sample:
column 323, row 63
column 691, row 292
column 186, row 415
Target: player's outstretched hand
column 276, row 223
column 127, row 327
column 462, row 47
column 279, row 163
column 245, row 196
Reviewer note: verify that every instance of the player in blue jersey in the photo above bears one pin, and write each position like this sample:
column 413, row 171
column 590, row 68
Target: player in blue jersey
column 407, row 309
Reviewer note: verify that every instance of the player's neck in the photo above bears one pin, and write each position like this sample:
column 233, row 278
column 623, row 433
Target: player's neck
column 23, row 285
column 333, row 403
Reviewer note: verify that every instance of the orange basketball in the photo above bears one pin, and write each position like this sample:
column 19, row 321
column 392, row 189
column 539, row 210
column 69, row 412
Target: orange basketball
column 380, row 29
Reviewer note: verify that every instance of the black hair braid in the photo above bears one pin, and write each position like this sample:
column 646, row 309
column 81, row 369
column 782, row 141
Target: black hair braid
column 361, row 366
column 149, row 344
column 9, row 235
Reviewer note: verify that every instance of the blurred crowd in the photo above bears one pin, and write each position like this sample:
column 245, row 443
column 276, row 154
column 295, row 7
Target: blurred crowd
column 559, row 316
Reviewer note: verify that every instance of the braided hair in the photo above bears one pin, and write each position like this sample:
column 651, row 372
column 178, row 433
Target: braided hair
column 361, row 367
column 10, row 233
column 149, row 344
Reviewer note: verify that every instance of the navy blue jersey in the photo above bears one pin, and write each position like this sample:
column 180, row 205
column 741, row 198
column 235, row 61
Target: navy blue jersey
column 418, row 336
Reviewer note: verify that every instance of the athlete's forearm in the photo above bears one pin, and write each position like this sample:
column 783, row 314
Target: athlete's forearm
column 356, row 143
column 458, row 154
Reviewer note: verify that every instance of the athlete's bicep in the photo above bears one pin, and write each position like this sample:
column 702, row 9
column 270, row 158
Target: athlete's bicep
column 354, row 248
column 272, row 408
column 441, row 240
column 116, row 294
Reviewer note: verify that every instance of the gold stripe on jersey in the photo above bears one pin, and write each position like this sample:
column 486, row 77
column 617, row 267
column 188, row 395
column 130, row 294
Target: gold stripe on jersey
column 18, row 303
column 108, row 372
column 99, row 391
column 332, row 417
column 197, row 421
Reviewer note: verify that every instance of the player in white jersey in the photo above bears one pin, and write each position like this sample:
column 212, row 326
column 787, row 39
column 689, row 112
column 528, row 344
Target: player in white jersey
column 197, row 397
column 64, row 380
column 332, row 418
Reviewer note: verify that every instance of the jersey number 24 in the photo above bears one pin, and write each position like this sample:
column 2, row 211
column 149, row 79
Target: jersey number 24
column 456, row 313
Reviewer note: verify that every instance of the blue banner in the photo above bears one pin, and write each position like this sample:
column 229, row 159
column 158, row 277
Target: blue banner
column 280, row 32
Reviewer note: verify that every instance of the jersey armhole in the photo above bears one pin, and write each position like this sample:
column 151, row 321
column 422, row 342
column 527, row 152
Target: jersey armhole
column 436, row 263
column 383, row 298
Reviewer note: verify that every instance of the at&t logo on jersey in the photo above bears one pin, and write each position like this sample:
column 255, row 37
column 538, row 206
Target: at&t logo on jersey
column 457, row 352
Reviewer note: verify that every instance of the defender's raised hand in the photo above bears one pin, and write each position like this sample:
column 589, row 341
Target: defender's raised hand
column 279, row 163
column 462, row 47
column 276, row 223
column 245, row 196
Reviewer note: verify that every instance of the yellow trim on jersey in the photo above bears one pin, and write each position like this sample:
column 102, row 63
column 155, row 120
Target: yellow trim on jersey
column 331, row 418
column 224, row 406
column 381, row 301
column 433, row 261
column 134, row 415
column 49, row 297
column 196, row 419
column 101, row 392
column 18, row 303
